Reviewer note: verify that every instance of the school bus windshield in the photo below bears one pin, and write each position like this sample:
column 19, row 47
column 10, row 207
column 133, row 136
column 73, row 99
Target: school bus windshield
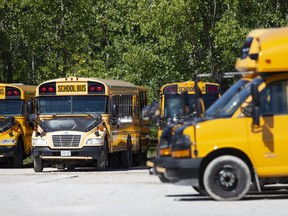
column 174, row 104
column 232, row 99
column 11, row 108
column 72, row 104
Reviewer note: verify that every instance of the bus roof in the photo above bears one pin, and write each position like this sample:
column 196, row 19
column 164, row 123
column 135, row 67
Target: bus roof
column 265, row 51
column 108, row 82
column 187, row 86
column 189, row 82
column 25, row 88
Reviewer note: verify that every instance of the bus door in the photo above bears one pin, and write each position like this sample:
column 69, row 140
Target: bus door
column 268, row 142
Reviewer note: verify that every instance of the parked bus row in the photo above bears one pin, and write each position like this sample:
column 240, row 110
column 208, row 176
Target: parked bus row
column 239, row 145
column 69, row 122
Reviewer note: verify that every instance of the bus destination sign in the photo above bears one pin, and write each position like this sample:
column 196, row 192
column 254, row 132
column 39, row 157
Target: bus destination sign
column 63, row 89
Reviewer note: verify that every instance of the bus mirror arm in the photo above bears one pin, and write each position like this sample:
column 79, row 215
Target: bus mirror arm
column 255, row 105
column 247, row 110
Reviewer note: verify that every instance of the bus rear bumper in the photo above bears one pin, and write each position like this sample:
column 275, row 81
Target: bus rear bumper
column 85, row 153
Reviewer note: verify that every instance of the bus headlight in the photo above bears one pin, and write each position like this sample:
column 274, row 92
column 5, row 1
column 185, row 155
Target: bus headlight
column 95, row 141
column 182, row 147
column 38, row 141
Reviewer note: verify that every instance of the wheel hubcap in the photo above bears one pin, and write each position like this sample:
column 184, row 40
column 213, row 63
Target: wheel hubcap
column 227, row 178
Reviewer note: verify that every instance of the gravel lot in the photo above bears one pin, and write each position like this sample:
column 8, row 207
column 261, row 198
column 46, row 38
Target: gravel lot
column 121, row 192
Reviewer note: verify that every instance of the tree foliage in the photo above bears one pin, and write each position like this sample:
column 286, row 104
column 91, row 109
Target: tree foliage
column 146, row 42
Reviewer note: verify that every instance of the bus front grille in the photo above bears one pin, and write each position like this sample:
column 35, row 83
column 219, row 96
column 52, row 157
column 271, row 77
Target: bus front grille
column 66, row 140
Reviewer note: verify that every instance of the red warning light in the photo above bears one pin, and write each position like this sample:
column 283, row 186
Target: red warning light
column 92, row 88
column 50, row 89
column 44, row 89
column 99, row 89
column 212, row 89
column 15, row 93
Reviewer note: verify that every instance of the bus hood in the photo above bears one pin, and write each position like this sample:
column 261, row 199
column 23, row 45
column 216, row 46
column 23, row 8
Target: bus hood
column 195, row 121
column 6, row 123
column 82, row 124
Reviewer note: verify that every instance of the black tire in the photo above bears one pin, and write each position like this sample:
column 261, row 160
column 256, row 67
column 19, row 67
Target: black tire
column 200, row 190
column 139, row 158
column 60, row 166
column 17, row 161
column 37, row 164
column 114, row 160
column 163, row 179
column 102, row 162
column 227, row 178
column 70, row 166
column 126, row 156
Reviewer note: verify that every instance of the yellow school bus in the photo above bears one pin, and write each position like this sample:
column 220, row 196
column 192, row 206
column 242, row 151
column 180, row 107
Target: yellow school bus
column 15, row 128
column 88, row 122
column 180, row 99
column 178, row 103
column 241, row 141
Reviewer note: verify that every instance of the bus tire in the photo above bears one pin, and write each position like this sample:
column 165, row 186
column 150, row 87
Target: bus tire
column 114, row 160
column 227, row 178
column 126, row 156
column 17, row 160
column 102, row 162
column 163, row 179
column 200, row 190
column 37, row 164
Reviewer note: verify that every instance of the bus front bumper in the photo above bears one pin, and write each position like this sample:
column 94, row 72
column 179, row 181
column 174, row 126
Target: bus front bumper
column 182, row 171
column 156, row 164
column 85, row 153
column 7, row 151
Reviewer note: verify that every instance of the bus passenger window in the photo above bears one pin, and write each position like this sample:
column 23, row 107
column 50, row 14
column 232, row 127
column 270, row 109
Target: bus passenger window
column 274, row 98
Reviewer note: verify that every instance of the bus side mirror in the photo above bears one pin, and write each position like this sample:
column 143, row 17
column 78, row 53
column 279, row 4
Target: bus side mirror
column 115, row 111
column 151, row 112
column 29, row 107
column 145, row 113
column 255, row 105
column 33, row 117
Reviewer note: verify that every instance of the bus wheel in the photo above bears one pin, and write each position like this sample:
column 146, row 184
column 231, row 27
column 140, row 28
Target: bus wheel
column 38, row 164
column 227, row 178
column 163, row 179
column 18, row 155
column 200, row 190
column 114, row 160
column 102, row 162
column 126, row 156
